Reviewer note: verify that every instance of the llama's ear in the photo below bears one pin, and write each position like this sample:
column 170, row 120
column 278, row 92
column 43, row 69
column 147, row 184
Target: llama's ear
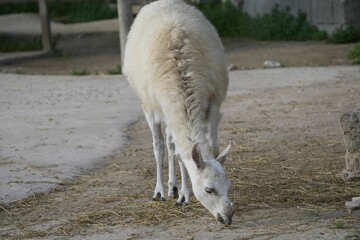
column 196, row 156
column 222, row 156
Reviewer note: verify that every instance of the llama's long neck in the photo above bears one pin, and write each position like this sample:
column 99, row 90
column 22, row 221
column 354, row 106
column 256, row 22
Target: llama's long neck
column 184, row 148
column 183, row 136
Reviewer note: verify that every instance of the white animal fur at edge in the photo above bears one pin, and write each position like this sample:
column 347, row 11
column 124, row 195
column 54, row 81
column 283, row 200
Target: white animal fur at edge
column 175, row 62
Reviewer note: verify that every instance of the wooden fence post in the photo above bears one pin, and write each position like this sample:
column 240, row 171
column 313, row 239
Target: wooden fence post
column 125, row 21
column 45, row 26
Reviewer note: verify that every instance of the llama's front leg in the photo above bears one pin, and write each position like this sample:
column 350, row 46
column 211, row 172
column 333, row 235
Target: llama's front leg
column 158, row 146
column 173, row 185
column 184, row 194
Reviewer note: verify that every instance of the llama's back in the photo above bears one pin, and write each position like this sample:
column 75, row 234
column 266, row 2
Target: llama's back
column 175, row 61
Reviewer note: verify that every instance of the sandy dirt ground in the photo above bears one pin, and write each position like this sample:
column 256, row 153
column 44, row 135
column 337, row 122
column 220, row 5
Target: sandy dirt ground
column 283, row 166
column 47, row 131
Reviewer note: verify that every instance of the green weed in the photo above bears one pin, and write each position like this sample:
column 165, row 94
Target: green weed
column 68, row 11
column 10, row 43
column 82, row 72
column 345, row 35
column 82, row 11
column 354, row 54
column 340, row 225
column 278, row 25
column 10, row 8
column 116, row 70
column 16, row 44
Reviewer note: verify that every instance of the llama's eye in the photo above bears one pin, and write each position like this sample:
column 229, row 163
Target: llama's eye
column 209, row 190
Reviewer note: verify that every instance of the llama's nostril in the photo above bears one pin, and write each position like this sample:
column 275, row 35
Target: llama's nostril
column 227, row 220
column 220, row 219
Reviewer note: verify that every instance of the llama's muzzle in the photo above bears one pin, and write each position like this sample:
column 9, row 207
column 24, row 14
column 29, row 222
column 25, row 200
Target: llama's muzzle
column 225, row 219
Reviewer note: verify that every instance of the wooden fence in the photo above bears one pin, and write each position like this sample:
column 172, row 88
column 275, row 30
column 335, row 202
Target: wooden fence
column 44, row 19
column 325, row 14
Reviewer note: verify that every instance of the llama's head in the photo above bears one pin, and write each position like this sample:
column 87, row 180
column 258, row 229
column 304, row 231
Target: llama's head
column 211, row 186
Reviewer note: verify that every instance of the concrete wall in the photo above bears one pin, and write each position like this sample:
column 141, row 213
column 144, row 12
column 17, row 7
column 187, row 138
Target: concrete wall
column 326, row 14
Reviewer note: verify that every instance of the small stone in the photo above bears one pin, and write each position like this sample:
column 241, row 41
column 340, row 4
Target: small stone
column 272, row 64
column 232, row 67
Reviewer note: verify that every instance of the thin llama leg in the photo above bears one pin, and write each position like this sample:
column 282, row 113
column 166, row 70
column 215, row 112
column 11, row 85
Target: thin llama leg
column 158, row 146
column 184, row 194
column 173, row 184
column 214, row 119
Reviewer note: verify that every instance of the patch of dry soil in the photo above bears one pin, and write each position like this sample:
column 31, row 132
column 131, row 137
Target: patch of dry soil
column 283, row 167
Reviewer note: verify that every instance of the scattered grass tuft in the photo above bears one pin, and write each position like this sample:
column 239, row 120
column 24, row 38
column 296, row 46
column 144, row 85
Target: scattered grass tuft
column 354, row 54
column 116, row 70
column 81, row 11
column 345, row 35
column 11, row 8
column 16, row 44
column 278, row 25
column 339, row 225
column 66, row 11
column 82, row 72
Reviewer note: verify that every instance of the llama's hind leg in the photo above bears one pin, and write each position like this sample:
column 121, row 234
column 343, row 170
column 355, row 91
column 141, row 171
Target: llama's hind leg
column 158, row 146
column 172, row 183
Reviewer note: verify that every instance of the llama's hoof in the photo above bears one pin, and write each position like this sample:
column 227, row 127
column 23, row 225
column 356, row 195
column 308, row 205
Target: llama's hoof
column 174, row 193
column 159, row 197
column 181, row 204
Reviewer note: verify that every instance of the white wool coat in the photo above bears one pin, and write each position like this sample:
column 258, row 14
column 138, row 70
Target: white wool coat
column 175, row 62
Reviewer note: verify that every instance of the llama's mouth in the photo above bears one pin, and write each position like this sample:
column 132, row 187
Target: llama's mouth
column 224, row 220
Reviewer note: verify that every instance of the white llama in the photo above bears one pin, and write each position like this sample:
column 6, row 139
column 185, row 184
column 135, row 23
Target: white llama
column 175, row 62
